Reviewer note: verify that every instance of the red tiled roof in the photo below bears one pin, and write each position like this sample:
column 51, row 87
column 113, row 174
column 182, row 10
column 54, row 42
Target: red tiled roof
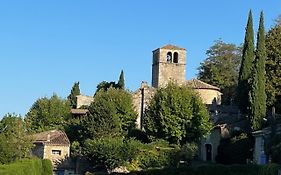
column 172, row 47
column 53, row 137
column 198, row 84
column 79, row 111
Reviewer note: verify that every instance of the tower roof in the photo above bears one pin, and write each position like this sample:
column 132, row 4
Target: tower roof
column 172, row 47
column 198, row 84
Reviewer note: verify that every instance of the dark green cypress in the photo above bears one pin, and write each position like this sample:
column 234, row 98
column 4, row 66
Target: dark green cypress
column 248, row 56
column 72, row 96
column 257, row 92
column 121, row 81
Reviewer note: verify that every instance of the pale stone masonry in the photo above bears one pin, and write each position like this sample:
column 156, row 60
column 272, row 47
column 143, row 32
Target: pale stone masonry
column 83, row 100
column 53, row 145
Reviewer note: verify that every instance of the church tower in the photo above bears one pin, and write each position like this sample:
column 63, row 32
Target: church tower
column 168, row 65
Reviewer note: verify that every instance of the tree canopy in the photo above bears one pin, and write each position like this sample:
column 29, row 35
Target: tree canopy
column 112, row 113
column 72, row 96
column 273, row 69
column 48, row 113
column 257, row 91
column 176, row 114
column 221, row 67
column 15, row 143
column 248, row 56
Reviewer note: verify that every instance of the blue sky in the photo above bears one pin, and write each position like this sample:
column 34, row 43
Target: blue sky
column 45, row 46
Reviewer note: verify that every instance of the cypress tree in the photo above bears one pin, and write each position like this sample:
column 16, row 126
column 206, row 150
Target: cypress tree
column 248, row 56
column 257, row 92
column 121, row 81
column 72, row 96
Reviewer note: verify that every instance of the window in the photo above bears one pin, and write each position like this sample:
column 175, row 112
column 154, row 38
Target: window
column 56, row 152
column 169, row 57
column 176, row 57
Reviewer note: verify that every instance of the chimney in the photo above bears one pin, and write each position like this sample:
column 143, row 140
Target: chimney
column 48, row 138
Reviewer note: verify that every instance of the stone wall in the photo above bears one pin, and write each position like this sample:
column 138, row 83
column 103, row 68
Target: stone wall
column 164, row 71
column 83, row 100
column 141, row 99
column 208, row 95
column 214, row 140
column 56, row 159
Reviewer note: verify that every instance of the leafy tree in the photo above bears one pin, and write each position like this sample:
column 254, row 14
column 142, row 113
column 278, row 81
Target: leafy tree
column 248, row 57
column 46, row 114
column 257, row 91
column 112, row 113
column 221, row 68
column 72, row 96
column 121, row 81
column 273, row 69
column 177, row 114
column 14, row 140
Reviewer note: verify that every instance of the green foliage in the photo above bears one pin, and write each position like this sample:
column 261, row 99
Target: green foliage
column 257, row 91
column 121, row 81
column 275, row 148
column 104, row 85
column 138, row 134
column 14, row 140
column 177, row 115
column 187, row 152
column 273, row 69
column 221, row 68
column 248, row 56
column 28, row 167
column 235, row 150
column 46, row 114
column 270, row 169
column 111, row 152
column 111, row 114
column 72, row 96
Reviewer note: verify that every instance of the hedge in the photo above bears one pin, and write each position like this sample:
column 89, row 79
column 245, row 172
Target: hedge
column 28, row 167
column 270, row 169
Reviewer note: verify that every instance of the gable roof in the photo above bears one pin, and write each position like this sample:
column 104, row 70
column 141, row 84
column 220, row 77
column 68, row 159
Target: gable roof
column 172, row 47
column 198, row 84
column 53, row 137
column 79, row 111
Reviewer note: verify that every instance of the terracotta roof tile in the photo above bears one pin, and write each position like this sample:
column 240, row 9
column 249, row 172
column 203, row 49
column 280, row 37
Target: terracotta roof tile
column 172, row 47
column 53, row 137
column 198, row 84
column 79, row 111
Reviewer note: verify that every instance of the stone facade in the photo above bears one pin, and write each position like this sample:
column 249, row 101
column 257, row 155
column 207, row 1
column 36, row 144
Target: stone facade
column 83, row 100
column 141, row 98
column 208, row 149
column 168, row 65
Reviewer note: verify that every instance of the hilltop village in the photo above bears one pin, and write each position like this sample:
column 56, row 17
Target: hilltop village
column 225, row 121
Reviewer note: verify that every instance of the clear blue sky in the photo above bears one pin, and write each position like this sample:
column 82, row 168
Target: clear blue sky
column 45, row 46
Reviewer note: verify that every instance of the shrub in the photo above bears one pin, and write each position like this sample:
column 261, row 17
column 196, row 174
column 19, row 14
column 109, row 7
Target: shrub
column 111, row 152
column 27, row 167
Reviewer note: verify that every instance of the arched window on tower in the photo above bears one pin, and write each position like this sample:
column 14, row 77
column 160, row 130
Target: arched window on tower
column 169, row 57
column 176, row 57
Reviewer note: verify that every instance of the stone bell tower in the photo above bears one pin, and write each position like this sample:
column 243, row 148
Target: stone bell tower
column 168, row 65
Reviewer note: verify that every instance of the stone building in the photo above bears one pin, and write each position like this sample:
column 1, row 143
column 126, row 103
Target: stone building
column 53, row 145
column 169, row 65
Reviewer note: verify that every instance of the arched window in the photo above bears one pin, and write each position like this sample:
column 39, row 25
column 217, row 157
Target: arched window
column 176, row 57
column 169, row 57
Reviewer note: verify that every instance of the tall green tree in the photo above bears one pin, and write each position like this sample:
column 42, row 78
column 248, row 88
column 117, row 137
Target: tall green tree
column 221, row 68
column 72, row 96
column 273, row 68
column 121, row 81
column 177, row 114
column 257, row 92
column 48, row 113
column 15, row 142
column 111, row 114
column 248, row 56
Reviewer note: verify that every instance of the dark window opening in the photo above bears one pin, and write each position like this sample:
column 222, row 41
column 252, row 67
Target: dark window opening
column 169, row 57
column 56, row 152
column 176, row 57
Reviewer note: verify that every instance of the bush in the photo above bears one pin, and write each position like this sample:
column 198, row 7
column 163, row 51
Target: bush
column 111, row 152
column 27, row 167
